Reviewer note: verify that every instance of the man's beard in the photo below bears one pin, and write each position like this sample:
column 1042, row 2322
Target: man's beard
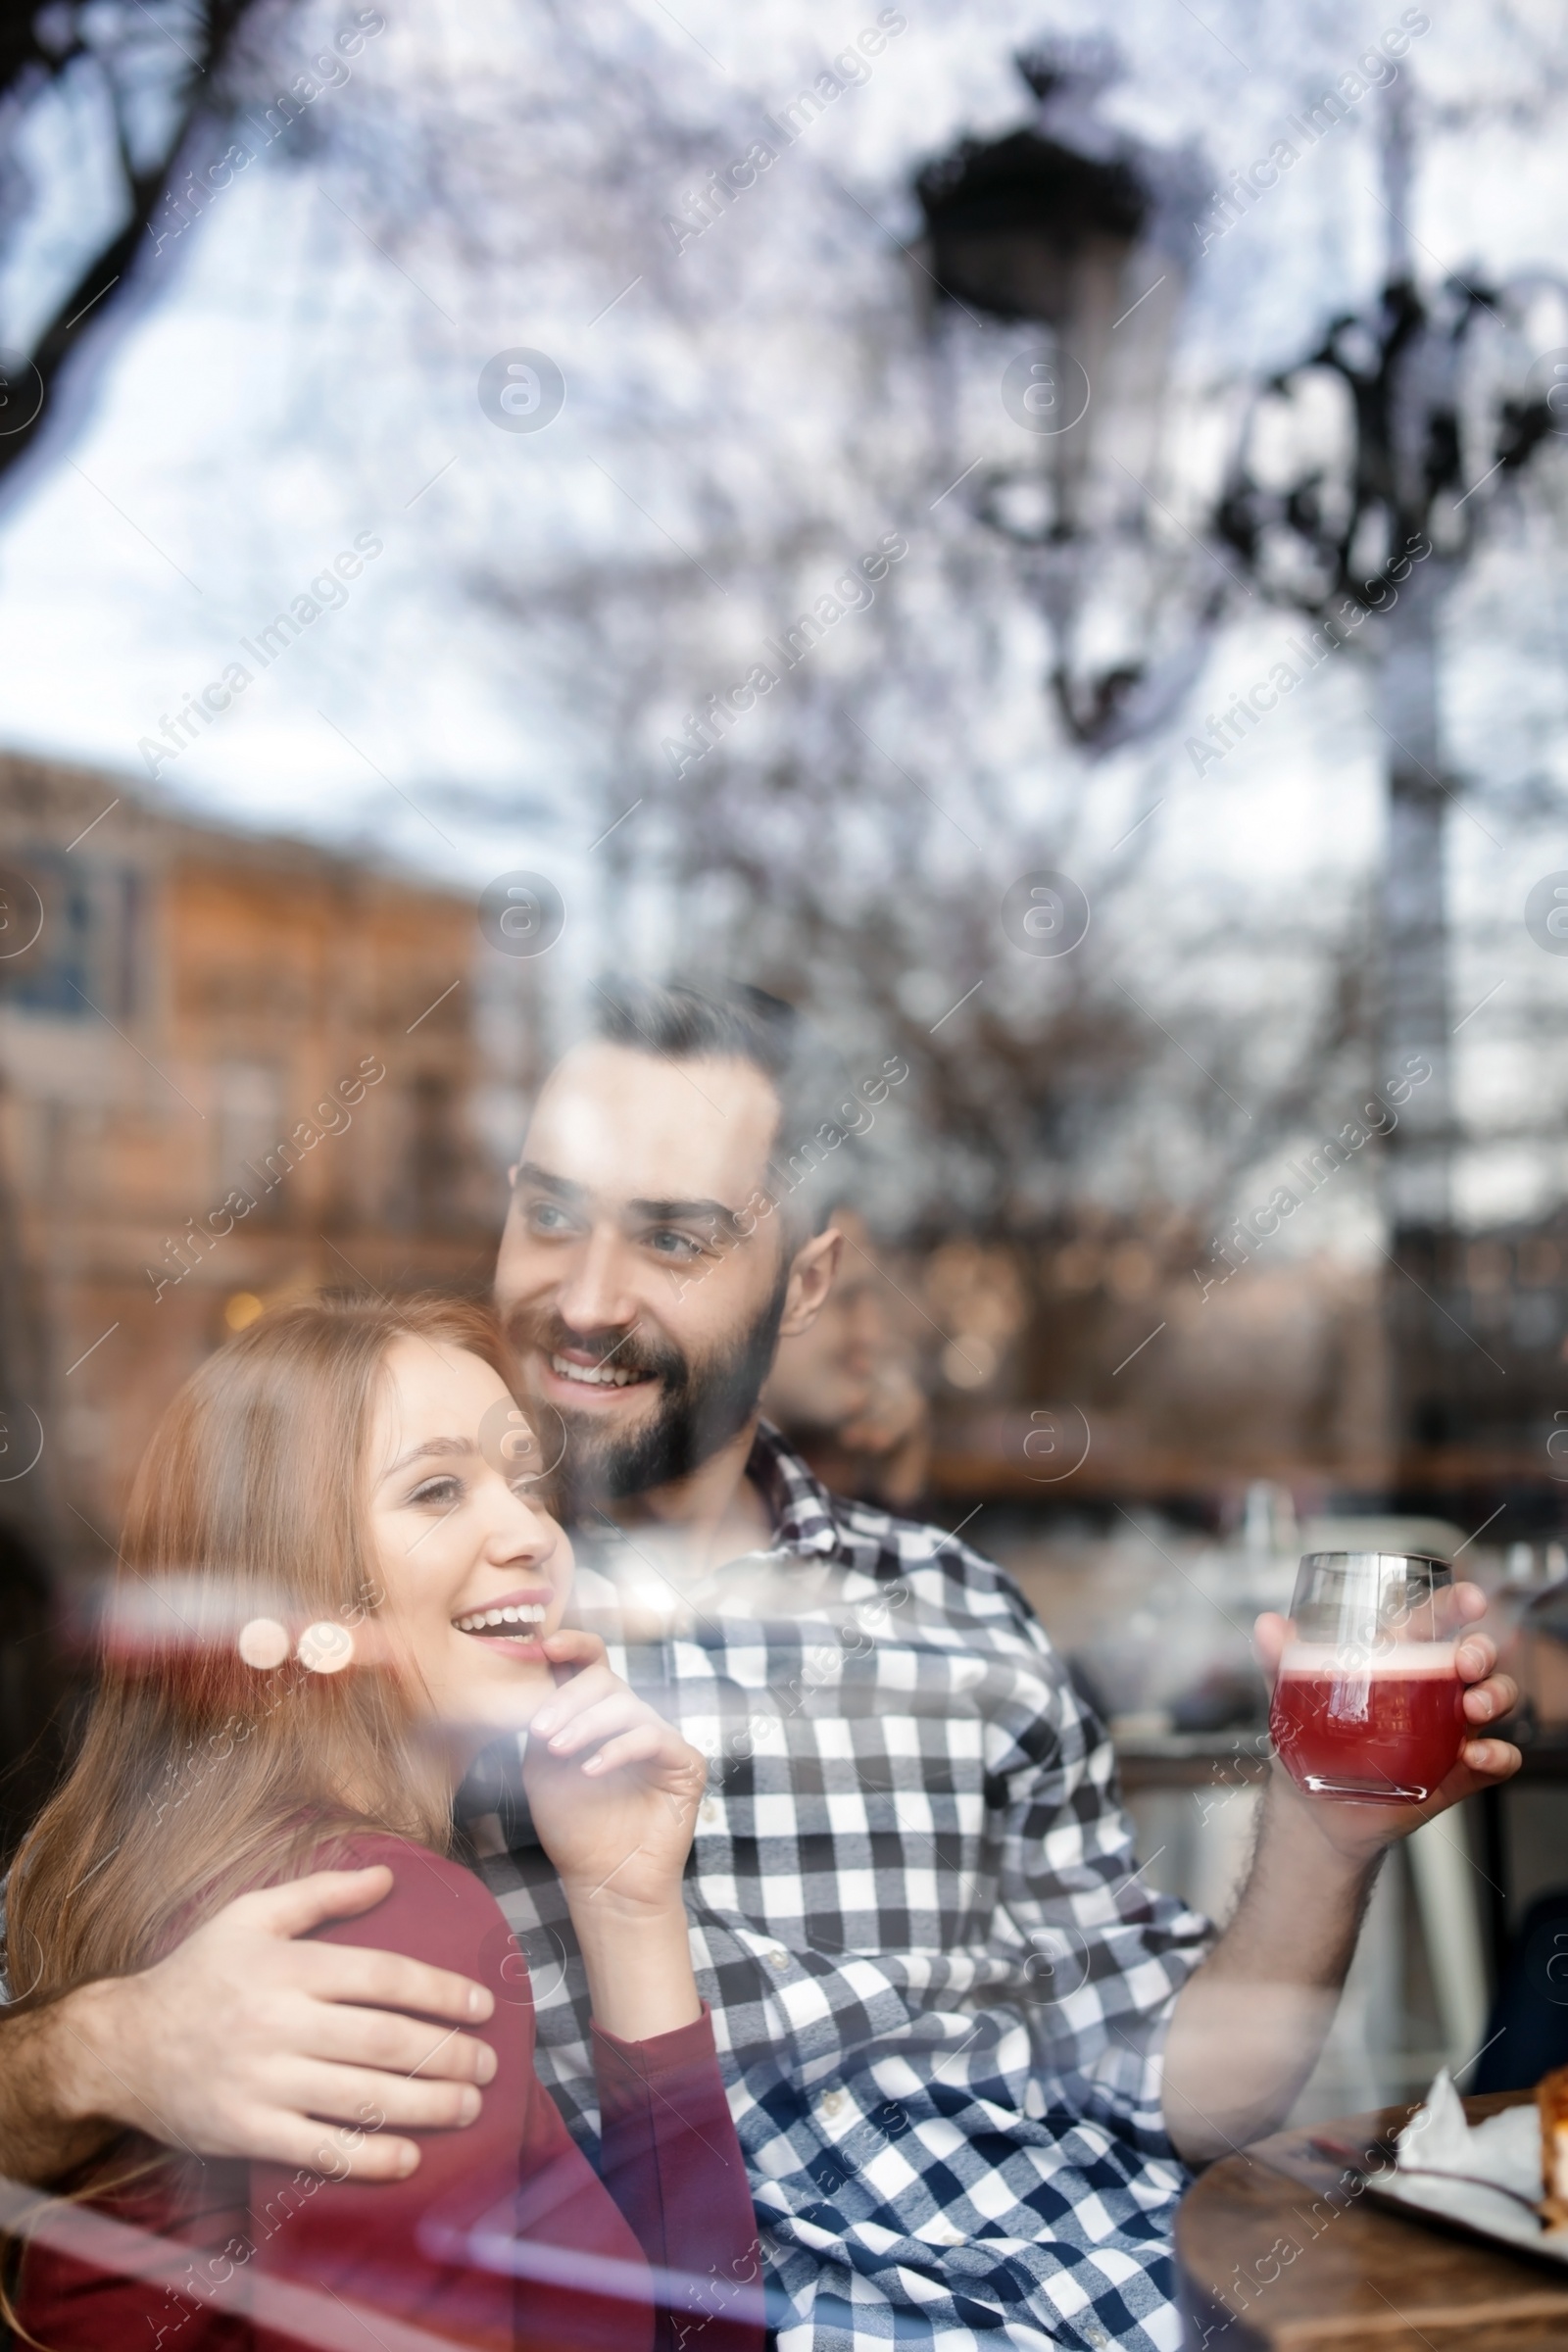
column 702, row 1405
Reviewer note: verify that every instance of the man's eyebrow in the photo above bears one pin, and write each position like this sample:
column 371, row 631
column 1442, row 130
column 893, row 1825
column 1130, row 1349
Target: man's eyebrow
column 685, row 1212
column 562, row 1187
column 441, row 1446
column 649, row 1212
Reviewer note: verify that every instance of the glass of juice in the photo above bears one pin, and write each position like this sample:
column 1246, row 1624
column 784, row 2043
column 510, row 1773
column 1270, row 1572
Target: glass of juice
column 1369, row 1704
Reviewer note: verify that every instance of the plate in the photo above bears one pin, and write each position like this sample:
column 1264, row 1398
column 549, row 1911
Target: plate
column 1471, row 2212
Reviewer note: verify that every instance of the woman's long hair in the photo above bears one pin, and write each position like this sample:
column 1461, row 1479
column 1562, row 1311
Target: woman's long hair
column 201, row 1775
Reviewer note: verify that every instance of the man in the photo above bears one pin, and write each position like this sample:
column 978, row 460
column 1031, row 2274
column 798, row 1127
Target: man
column 845, row 1394
column 967, row 2049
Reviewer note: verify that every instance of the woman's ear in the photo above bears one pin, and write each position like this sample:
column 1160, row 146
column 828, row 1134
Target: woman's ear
column 812, row 1273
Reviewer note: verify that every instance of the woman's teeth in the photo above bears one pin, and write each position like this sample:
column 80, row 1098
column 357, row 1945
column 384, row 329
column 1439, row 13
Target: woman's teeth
column 487, row 1621
column 595, row 1375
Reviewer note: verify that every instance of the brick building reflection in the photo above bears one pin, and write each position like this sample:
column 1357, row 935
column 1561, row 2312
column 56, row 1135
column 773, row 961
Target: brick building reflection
column 234, row 1068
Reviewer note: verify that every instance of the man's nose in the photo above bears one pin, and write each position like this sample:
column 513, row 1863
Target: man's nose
column 598, row 1293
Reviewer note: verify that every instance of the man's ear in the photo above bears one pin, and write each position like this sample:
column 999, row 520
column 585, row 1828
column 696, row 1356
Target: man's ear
column 812, row 1273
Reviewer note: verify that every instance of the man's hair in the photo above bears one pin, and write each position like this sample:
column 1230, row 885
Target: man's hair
column 679, row 1021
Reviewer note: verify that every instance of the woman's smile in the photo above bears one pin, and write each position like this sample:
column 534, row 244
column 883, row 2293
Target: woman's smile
column 474, row 1569
column 512, row 1622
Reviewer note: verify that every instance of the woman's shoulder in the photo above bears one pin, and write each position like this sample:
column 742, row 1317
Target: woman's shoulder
column 357, row 1845
column 435, row 1911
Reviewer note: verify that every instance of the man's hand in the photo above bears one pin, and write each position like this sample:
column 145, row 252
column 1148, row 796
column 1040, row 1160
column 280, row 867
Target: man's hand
column 242, row 2037
column 1249, row 2025
column 1360, row 1832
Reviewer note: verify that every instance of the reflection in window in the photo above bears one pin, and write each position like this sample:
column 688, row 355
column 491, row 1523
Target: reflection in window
column 89, row 950
column 431, row 1188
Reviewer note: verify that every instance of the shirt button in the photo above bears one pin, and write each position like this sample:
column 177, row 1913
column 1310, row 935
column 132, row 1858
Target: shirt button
column 832, row 2101
column 1096, row 2336
column 709, row 1809
column 948, row 2234
column 778, row 1958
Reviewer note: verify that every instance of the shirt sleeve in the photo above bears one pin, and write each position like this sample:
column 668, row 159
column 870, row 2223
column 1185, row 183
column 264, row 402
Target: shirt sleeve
column 1098, row 1956
column 670, row 2160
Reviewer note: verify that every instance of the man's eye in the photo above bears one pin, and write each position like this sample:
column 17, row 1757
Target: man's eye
column 437, row 1490
column 669, row 1244
column 546, row 1216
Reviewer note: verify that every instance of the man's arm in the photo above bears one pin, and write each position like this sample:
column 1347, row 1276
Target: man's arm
column 39, row 2097
column 1249, row 2025
column 241, row 2039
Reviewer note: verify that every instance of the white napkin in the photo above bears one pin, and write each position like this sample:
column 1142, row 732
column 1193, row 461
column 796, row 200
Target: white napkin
column 1505, row 2148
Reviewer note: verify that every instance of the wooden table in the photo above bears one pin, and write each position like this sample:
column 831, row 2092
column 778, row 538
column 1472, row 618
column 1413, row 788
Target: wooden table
column 1274, row 2249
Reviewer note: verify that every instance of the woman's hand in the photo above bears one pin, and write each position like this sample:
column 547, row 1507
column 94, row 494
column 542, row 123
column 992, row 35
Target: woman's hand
column 613, row 1791
column 613, row 1787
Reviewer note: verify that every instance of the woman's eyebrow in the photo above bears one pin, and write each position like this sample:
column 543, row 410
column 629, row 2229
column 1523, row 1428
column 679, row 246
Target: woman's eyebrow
column 441, row 1446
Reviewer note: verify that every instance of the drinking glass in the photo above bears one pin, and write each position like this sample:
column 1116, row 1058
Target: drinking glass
column 1369, row 1704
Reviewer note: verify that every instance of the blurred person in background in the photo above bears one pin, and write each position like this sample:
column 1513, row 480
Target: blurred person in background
column 845, row 1393
column 968, row 2051
column 308, row 1699
column 1527, row 2031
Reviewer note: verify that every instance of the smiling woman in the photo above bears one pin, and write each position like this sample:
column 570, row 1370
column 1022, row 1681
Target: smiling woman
column 335, row 1591
column 474, row 1571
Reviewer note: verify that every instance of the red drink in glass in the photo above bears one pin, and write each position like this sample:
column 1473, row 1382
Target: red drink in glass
column 1369, row 1704
column 1387, row 1731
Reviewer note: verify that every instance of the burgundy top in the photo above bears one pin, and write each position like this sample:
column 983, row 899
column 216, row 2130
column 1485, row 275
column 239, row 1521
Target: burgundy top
column 504, row 2237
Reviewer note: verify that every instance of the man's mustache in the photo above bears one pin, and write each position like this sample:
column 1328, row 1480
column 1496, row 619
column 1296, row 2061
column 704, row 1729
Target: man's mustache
column 633, row 1350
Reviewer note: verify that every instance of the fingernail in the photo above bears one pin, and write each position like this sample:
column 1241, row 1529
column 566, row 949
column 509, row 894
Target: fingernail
column 595, row 1764
column 488, row 2062
column 544, row 1722
column 468, row 2104
column 478, row 2001
column 408, row 2158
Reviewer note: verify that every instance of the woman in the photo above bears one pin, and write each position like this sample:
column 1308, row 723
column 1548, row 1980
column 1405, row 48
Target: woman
column 335, row 1591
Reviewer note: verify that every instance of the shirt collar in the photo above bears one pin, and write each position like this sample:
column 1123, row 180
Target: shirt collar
column 801, row 1509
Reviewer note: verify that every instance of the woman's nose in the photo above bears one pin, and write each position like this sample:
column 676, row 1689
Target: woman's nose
column 524, row 1531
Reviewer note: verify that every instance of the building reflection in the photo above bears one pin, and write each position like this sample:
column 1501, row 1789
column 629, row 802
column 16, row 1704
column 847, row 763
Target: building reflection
column 235, row 1069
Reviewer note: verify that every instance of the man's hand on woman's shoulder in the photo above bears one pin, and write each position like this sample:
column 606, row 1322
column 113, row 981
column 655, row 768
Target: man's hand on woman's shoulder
column 244, row 2036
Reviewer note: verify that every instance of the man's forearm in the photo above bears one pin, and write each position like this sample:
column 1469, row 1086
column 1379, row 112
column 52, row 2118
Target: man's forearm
column 1249, row 2025
column 47, row 2066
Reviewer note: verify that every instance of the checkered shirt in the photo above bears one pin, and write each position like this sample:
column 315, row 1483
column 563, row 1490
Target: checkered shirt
column 939, row 1985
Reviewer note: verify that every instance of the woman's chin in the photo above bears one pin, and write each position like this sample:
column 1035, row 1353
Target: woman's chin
column 505, row 1700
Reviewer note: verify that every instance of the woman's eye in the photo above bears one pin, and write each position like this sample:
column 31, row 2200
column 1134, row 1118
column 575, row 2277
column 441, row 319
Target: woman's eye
column 437, row 1490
